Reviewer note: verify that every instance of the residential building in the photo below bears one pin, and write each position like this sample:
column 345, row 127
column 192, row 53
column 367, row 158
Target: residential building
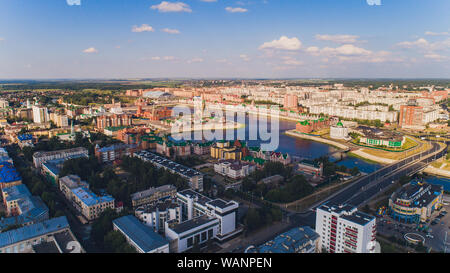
column 194, row 178
column 50, row 236
column 152, row 195
column 50, row 169
column 113, row 120
column 297, row 240
column 157, row 214
column 234, row 169
column 22, row 208
column 40, row 157
column 115, row 151
column 291, row 101
column 88, row 203
column 40, row 114
column 8, row 175
column 344, row 229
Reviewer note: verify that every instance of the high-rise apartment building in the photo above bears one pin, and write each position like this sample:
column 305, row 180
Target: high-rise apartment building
column 40, row 114
column 344, row 229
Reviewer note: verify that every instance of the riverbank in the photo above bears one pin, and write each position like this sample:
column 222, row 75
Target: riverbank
column 317, row 139
column 376, row 159
column 435, row 171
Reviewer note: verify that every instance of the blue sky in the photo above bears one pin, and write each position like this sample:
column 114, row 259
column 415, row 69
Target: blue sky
column 224, row 38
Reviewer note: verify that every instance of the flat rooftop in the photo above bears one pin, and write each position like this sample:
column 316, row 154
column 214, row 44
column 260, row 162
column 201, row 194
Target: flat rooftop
column 193, row 223
column 169, row 164
column 140, row 234
column 32, row 231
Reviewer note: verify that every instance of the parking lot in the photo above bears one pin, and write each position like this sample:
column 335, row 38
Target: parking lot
column 434, row 230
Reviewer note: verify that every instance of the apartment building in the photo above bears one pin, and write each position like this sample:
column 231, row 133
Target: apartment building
column 194, row 178
column 50, row 236
column 234, row 169
column 40, row 114
column 344, row 229
column 157, row 214
column 152, row 195
column 88, row 203
column 40, row 157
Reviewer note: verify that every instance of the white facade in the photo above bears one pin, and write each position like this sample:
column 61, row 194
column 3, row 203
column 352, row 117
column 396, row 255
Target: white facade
column 40, row 114
column 338, row 132
column 190, row 233
column 234, row 170
column 343, row 229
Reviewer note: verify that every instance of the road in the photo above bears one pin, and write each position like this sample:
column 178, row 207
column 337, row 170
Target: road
column 367, row 187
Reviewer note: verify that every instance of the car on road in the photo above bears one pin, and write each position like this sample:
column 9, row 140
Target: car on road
column 429, row 236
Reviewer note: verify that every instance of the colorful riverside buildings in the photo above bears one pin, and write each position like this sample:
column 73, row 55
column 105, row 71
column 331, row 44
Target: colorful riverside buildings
column 415, row 202
column 344, row 229
column 309, row 126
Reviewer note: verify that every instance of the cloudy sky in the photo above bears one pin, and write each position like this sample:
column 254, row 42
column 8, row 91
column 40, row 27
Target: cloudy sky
column 224, row 38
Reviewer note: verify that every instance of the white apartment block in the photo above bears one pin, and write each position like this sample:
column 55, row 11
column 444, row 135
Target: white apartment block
column 234, row 169
column 40, row 114
column 156, row 215
column 343, row 229
column 41, row 157
column 350, row 112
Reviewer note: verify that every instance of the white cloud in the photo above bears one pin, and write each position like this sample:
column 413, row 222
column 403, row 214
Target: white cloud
column 430, row 33
column 436, row 57
column 291, row 61
column 158, row 58
column 421, row 42
column 90, row 50
column 244, row 57
column 142, row 28
column 195, row 60
column 235, row 10
column 209, row 1
column 340, row 39
column 2, row 39
column 284, row 43
column 172, row 7
column 171, row 31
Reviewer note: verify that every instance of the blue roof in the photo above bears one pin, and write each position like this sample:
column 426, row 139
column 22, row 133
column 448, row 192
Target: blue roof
column 25, row 137
column 289, row 241
column 16, row 192
column 55, row 165
column 89, row 198
column 143, row 236
column 32, row 231
column 8, row 173
column 116, row 146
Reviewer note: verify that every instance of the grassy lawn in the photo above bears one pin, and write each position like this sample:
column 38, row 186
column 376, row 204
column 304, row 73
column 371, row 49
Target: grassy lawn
column 397, row 155
column 439, row 163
